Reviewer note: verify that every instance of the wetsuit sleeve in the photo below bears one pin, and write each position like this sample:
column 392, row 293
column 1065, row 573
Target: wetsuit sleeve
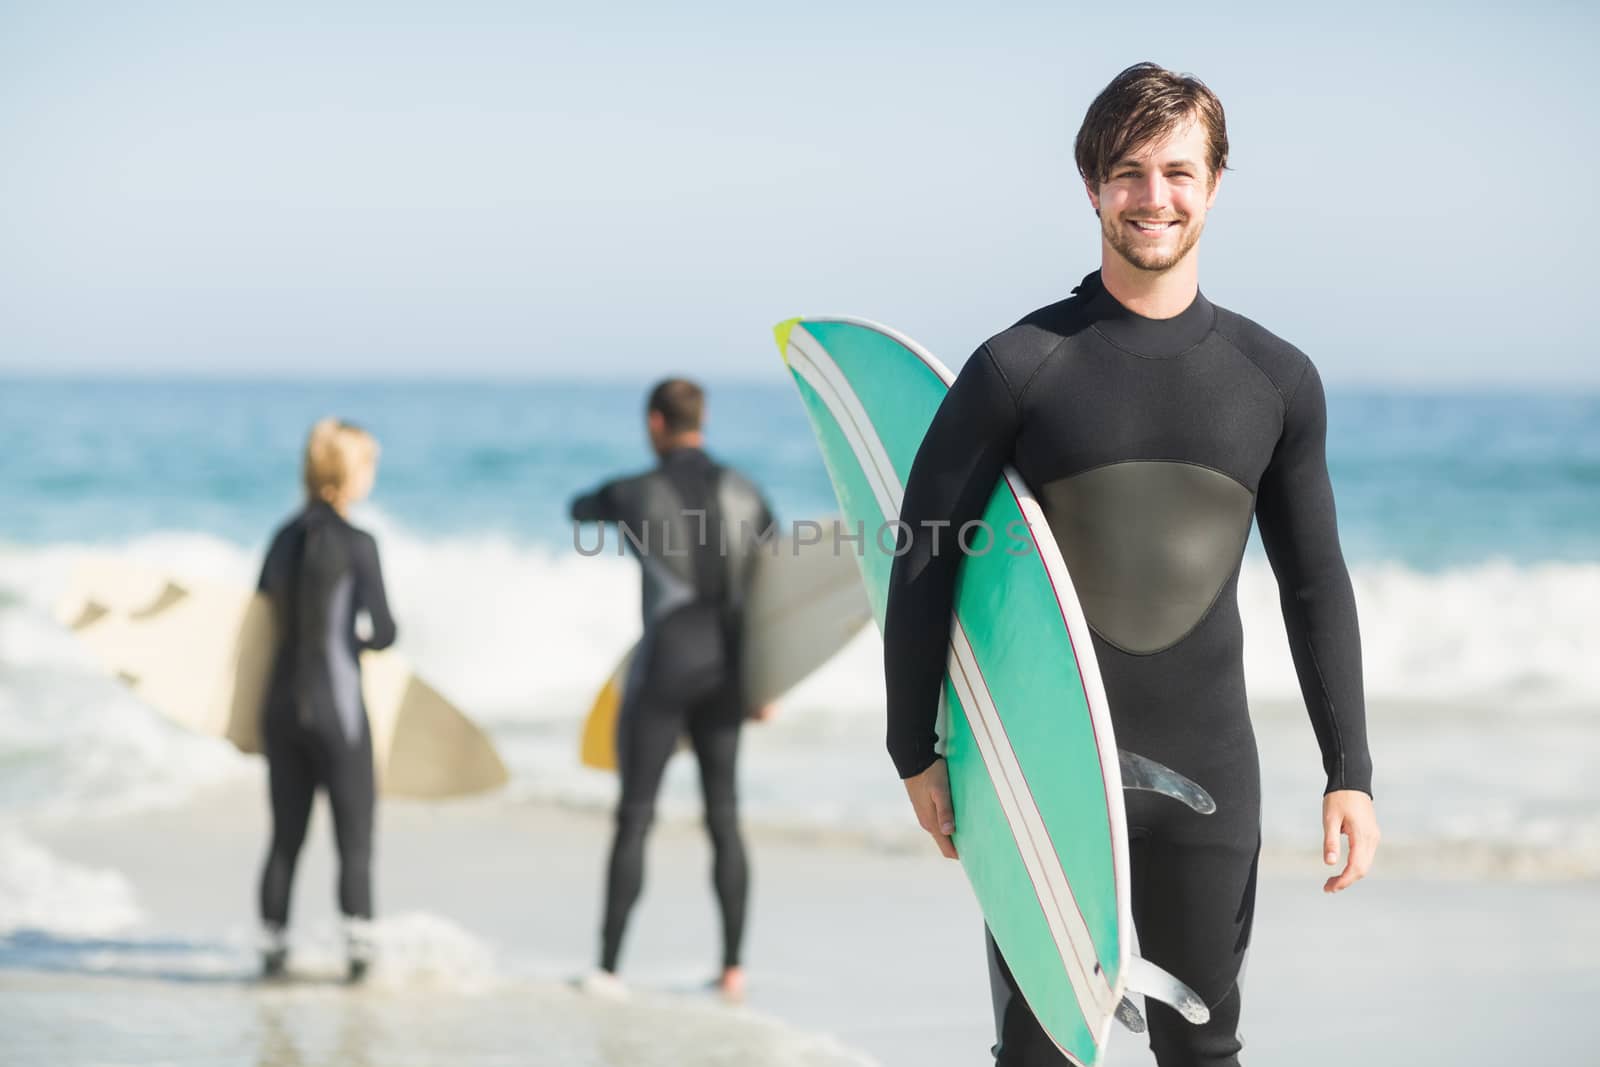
column 951, row 481
column 1294, row 509
column 598, row 506
column 371, row 595
column 277, row 562
column 768, row 518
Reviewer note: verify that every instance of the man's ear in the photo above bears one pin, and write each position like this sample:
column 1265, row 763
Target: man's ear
column 1094, row 196
column 1216, row 184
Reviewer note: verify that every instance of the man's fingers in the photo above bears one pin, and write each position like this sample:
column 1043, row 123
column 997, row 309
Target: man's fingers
column 932, row 806
column 944, row 818
column 1363, row 846
column 1369, row 850
column 930, row 799
column 1349, row 813
column 942, row 811
column 1348, row 877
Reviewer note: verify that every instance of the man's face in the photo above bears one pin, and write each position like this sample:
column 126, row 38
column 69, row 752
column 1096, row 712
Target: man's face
column 1153, row 204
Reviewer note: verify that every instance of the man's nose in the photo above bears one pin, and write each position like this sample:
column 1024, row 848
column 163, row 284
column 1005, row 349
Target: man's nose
column 1155, row 191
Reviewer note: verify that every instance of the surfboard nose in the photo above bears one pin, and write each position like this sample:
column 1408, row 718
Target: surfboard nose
column 781, row 332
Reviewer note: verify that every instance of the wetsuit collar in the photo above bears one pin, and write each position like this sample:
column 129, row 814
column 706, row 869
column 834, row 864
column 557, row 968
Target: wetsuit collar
column 679, row 453
column 1153, row 338
column 321, row 509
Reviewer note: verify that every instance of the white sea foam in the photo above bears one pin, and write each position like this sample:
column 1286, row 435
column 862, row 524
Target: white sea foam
column 42, row 893
column 1483, row 684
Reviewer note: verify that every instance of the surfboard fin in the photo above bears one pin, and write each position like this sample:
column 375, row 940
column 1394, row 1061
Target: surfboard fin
column 1148, row 980
column 1152, row 777
column 171, row 594
column 1130, row 1016
column 91, row 612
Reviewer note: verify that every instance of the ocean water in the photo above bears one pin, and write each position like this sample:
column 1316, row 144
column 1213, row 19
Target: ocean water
column 1431, row 482
column 1471, row 522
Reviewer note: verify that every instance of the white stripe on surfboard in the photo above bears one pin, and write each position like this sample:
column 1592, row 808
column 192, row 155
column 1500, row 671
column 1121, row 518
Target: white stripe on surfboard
column 1068, row 928
column 823, row 375
column 1021, row 812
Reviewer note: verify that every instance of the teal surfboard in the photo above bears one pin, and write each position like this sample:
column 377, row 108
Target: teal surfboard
column 1034, row 767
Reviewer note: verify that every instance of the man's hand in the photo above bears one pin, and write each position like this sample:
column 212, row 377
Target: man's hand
column 765, row 713
column 930, row 798
column 1348, row 812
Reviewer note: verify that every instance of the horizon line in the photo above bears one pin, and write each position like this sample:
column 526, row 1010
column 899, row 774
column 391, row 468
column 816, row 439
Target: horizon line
column 777, row 380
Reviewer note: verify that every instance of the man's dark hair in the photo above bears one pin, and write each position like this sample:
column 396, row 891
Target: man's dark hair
column 681, row 403
column 1142, row 104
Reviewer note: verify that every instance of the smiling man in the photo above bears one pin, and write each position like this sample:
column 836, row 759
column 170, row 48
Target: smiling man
column 1153, row 426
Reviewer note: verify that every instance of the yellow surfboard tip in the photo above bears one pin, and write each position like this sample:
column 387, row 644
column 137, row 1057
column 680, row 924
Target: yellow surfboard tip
column 781, row 332
column 597, row 747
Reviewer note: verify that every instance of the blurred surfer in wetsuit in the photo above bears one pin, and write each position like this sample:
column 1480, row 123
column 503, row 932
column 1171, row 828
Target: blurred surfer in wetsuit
column 320, row 574
column 695, row 527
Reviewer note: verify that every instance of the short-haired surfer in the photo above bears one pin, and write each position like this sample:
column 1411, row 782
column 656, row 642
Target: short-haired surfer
column 683, row 519
column 1152, row 426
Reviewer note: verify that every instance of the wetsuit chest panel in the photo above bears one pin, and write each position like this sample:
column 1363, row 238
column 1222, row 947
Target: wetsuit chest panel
column 1149, row 545
column 1093, row 404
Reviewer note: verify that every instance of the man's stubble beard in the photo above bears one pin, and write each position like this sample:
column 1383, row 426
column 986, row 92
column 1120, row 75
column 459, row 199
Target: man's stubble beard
column 1139, row 258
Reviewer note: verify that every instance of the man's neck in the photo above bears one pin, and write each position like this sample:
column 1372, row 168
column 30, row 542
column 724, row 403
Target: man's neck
column 690, row 439
column 1153, row 294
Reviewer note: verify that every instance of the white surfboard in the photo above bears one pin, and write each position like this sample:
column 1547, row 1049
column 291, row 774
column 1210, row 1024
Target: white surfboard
column 806, row 603
column 200, row 653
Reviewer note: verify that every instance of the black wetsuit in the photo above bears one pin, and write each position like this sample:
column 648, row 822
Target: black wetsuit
column 320, row 571
column 1149, row 444
column 691, row 522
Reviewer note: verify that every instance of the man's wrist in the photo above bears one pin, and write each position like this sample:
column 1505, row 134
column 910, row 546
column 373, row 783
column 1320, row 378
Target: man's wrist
column 912, row 766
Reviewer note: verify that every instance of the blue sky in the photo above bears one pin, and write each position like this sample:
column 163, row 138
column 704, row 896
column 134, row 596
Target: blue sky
column 617, row 190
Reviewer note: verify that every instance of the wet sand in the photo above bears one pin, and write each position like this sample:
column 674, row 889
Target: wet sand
column 489, row 908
